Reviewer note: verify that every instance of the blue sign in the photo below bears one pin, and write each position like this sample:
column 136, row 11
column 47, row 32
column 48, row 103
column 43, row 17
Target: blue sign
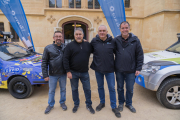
column 14, row 12
column 114, row 12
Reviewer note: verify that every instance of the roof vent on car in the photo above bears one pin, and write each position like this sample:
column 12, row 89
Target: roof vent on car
column 178, row 35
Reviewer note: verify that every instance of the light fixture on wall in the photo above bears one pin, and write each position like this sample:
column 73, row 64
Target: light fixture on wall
column 77, row 25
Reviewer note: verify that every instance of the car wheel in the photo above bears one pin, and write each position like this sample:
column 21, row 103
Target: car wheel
column 168, row 93
column 20, row 87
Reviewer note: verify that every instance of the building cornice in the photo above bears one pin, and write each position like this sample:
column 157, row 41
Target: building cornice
column 95, row 10
column 73, row 9
column 161, row 11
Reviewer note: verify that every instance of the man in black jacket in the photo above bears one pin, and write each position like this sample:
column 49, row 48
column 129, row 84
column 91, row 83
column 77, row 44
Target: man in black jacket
column 128, row 64
column 53, row 59
column 103, row 64
column 76, row 60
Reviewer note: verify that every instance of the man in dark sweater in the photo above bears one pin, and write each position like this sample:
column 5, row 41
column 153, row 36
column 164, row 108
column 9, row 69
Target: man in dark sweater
column 103, row 64
column 53, row 58
column 76, row 60
column 128, row 64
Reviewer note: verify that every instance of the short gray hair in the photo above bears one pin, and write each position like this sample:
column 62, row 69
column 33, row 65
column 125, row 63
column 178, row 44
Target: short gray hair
column 101, row 26
column 80, row 29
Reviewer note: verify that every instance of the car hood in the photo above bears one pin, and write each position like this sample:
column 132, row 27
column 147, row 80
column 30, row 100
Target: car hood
column 162, row 56
column 34, row 60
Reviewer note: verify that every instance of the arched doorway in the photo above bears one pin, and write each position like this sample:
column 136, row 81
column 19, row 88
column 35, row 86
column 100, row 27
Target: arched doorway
column 68, row 30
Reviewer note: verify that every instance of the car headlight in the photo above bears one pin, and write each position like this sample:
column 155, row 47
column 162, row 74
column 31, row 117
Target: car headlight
column 150, row 68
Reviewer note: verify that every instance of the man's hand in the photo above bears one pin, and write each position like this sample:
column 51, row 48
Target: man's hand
column 85, row 40
column 69, row 75
column 46, row 79
column 137, row 73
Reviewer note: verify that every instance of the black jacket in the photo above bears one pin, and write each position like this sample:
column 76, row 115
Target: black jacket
column 76, row 56
column 129, row 58
column 53, row 58
column 103, row 57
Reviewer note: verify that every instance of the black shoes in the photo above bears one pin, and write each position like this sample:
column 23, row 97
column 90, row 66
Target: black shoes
column 64, row 107
column 120, row 107
column 75, row 109
column 48, row 109
column 131, row 108
column 91, row 110
column 116, row 112
column 100, row 106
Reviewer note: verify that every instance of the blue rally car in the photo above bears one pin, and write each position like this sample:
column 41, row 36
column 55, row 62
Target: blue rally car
column 20, row 69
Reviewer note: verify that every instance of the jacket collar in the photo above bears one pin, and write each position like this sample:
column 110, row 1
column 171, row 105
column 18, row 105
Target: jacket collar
column 77, row 42
column 131, row 39
column 109, row 37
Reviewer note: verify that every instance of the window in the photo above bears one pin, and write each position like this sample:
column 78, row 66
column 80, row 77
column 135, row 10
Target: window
column 78, row 3
column 1, row 26
column 74, row 3
column 93, row 4
column 15, row 36
column 90, row 4
column 1, row 29
column 55, row 3
column 127, row 3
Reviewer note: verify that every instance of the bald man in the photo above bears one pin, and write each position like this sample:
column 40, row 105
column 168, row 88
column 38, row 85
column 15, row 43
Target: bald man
column 103, row 64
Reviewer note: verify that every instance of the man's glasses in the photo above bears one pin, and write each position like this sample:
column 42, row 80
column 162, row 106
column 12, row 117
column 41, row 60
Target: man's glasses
column 58, row 36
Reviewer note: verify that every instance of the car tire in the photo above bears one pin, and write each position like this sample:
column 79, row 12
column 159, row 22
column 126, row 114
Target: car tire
column 168, row 93
column 20, row 87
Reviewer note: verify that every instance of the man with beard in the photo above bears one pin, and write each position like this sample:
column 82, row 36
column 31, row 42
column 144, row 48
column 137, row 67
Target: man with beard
column 53, row 59
column 76, row 60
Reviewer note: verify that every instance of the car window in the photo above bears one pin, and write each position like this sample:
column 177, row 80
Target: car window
column 10, row 51
column 175, row 48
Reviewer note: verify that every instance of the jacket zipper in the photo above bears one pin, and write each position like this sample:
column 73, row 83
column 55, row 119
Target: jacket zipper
column 80, row 46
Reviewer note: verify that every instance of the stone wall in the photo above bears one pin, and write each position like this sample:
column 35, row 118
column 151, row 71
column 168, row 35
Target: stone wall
column 155, row 22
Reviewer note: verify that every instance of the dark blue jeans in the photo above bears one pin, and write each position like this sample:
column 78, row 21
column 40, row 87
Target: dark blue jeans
column 129, row 78
column 84, row 77
column 111, row 85
column 52, row 87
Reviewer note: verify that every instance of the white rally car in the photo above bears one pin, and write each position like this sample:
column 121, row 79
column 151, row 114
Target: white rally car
column 161, row 73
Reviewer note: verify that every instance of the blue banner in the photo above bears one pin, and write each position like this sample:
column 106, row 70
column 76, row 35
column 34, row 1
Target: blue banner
column 114, row 12
column 14, row 12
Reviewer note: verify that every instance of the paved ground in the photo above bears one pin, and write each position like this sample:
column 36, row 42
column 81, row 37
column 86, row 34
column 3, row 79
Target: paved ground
column 32, row 108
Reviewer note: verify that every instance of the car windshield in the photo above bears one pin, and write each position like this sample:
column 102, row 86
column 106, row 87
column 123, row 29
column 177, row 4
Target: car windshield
column 175, row 48
column 11, row 51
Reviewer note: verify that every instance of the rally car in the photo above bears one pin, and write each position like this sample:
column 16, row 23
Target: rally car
column 161, row 73
column 20, row 69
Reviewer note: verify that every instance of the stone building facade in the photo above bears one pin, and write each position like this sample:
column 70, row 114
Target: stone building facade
column 155, row 22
